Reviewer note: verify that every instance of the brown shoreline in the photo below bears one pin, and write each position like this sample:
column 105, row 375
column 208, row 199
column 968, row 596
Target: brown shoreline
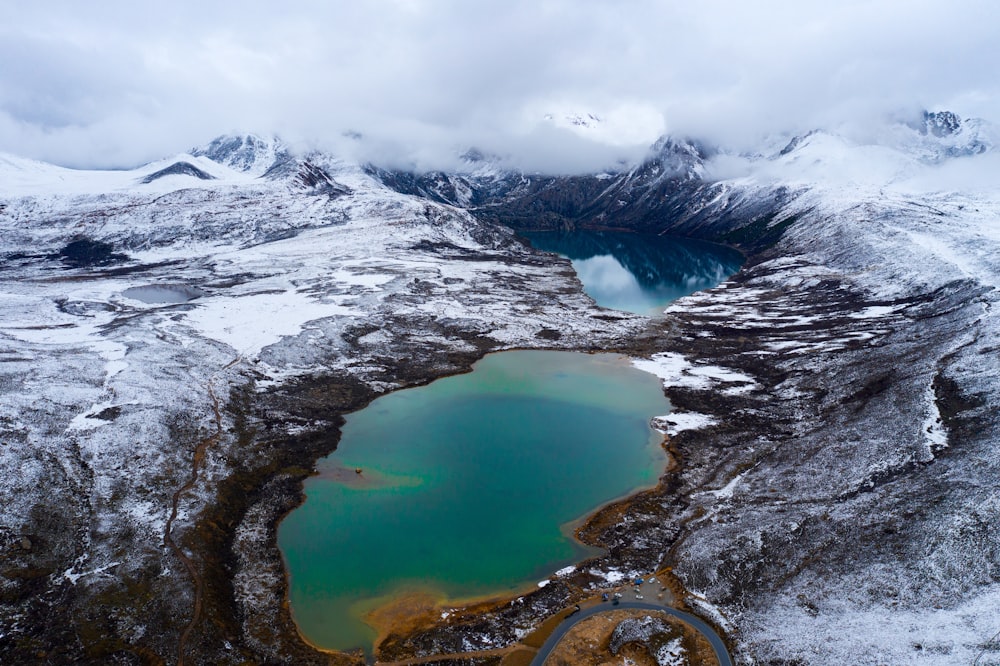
column 334, row 657
column 289, row 626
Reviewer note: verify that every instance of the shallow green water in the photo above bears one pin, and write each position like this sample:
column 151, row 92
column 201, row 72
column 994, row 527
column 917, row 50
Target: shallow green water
column 468, row 485
column 639, row 273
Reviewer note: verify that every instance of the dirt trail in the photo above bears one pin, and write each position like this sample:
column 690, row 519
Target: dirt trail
column 168, row 539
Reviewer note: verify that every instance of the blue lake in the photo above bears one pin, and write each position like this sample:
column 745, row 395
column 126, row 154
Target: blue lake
column 639, row 273
column 469, row 486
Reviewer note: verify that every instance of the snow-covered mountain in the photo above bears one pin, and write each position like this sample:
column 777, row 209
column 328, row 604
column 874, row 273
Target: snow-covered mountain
column 946, row 135
column 246, row 153
column 834, row 430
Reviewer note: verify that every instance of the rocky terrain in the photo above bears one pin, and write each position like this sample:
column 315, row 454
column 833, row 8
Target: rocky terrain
column 830, row 498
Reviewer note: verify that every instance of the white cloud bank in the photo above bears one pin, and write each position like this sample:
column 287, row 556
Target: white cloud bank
column 117, row 83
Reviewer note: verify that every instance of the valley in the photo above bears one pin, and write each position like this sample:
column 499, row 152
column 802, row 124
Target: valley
column 832, row 439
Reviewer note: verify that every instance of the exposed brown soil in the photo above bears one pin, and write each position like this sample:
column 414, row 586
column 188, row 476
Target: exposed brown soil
column 199, row 586
column 405, row 614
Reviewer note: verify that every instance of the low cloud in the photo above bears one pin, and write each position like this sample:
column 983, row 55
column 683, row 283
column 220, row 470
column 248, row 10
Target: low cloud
column 116, row 84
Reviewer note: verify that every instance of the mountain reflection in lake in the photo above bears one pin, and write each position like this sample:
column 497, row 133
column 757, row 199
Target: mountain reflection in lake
column 639, row 273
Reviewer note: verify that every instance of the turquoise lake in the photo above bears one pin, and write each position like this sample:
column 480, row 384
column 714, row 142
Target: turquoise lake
column 469, row 486
column 639, row 273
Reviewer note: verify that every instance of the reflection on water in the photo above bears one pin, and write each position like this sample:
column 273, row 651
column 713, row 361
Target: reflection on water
column 639, row 272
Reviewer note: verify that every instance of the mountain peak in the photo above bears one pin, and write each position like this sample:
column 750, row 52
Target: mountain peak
column 941, row 135
column 248, row 153
column 575, row 121
column 679, row 157
column 940, row 123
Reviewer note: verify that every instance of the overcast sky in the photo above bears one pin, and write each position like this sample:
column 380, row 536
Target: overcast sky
column 118, row 83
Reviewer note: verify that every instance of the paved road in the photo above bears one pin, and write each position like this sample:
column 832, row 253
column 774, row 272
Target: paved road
column 717, row 645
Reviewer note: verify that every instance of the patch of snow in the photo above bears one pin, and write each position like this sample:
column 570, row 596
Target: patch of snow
column 705, row 608
column 612, row 576
column 73, row 577
column 672, row 653
column 935, row 434
column 88, row 420
column 675, row 370
column 726, row 492
column 675, row 422
column 874, row 312
column 251, row 322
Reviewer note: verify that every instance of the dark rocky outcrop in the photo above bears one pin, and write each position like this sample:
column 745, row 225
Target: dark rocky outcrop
column 88, row 252
column 178, row 169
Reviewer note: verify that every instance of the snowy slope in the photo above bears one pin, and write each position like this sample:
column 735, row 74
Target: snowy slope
column 315, row 270
column 855, row 527
column 837, row 421
column 247, row 153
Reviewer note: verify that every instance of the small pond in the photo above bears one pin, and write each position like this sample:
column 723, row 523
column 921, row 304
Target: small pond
column 164, row 293
column 639, row 273
column 469, row 486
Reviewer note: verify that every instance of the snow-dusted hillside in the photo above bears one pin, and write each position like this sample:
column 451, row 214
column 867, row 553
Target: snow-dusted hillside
column 837, row 421
column 866, row 497
column 308, row 269
column 843, row 510
column 835, row 428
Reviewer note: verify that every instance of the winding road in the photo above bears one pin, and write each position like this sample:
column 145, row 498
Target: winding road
column 713, row 638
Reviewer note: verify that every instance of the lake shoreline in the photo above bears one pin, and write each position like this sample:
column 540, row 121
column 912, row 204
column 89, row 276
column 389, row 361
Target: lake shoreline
column 552, row 597
column 499, row 417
